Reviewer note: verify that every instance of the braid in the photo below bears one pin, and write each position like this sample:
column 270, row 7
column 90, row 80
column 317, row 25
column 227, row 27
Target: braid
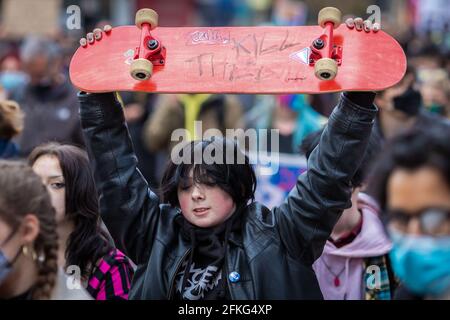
column 48, row 268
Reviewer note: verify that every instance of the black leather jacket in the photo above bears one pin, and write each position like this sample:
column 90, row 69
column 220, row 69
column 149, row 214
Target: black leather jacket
column 275, row 249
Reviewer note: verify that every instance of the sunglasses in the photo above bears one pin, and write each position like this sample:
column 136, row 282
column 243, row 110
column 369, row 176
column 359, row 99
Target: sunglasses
column 432, row 221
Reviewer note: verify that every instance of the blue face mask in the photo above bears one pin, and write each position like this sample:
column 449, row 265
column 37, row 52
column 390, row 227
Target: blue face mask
column 11, row 80
column 422, row 263
column 5, row 267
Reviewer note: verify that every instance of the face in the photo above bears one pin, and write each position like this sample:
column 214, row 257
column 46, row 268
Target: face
column 205, row 206
column 386, row 99
column 392, row 120
column 10, row 64
column 433, row 95
column 37, row 68
column 410, row 192
column 49, row 169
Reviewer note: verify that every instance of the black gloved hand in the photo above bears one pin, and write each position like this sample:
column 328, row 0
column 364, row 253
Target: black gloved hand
column 363, row 98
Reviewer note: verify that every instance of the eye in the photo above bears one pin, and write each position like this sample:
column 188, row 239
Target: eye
column 58, row 185
column 185, row 187
column 210, row 184
column 434, row 221
column 398, row 219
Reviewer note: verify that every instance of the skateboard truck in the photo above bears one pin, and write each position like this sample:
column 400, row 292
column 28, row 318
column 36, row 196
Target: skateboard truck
column 150, row 51
column 325, row 55
column 316, row 51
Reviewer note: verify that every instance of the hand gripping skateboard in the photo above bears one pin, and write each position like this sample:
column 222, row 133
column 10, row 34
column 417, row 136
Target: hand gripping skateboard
column 329, row 57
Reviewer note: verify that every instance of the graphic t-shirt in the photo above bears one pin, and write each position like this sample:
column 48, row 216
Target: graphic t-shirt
column 204, row 283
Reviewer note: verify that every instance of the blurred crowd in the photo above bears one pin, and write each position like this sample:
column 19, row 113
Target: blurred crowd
column 34, row 73
column 38, row 105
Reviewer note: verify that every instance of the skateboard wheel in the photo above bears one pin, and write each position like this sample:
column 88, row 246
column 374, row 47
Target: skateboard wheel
column 141, row 69
column 146, row 16
column 325, row 69
column 330, row 14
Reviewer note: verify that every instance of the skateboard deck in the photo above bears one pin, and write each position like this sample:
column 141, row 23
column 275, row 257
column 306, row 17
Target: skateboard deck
column 247, row 60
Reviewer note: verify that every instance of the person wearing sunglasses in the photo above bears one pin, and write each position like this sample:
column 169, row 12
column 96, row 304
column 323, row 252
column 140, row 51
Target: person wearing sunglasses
column 412, row 184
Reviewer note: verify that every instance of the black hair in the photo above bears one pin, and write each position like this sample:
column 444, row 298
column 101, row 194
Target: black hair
column 88, row 242
column 232, row 172
column 311, row 141
column 412, row 150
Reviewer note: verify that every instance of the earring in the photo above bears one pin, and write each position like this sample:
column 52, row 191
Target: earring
column 25, row 251
column 41, row 258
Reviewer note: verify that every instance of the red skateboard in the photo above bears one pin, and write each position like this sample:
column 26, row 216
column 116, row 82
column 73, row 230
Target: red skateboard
column 267, row 60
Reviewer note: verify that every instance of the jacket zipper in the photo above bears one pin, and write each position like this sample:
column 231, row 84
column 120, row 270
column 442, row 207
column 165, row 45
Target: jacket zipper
column 172, row 282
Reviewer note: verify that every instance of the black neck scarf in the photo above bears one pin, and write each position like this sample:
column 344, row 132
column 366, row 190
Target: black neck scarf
column 209, row 247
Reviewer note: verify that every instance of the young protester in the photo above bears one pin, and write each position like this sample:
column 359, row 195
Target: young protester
column 205, row 237
column 65, row 171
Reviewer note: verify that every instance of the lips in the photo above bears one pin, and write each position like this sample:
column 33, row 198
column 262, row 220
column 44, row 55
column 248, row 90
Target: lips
column 200, row 211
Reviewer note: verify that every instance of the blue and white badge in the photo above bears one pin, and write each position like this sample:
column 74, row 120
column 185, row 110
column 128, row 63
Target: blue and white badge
column 234, row 277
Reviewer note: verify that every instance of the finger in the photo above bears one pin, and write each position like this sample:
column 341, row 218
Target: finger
column 97, row 33
column 367, row 25
column 107, row 28
column 90, row 37
column 359, row 24
column 350, row 23
column 83, row 42
column 376, row 27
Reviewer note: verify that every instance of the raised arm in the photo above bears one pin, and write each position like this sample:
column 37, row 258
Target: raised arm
column 128, row 207
column 306, row 218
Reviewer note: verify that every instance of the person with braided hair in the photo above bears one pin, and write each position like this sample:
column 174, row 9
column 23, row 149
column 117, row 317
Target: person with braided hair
column 84, row 246
column 28, row 239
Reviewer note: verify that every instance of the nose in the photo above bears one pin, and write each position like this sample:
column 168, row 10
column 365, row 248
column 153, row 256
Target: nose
column 413, row 227
column 197, row 193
